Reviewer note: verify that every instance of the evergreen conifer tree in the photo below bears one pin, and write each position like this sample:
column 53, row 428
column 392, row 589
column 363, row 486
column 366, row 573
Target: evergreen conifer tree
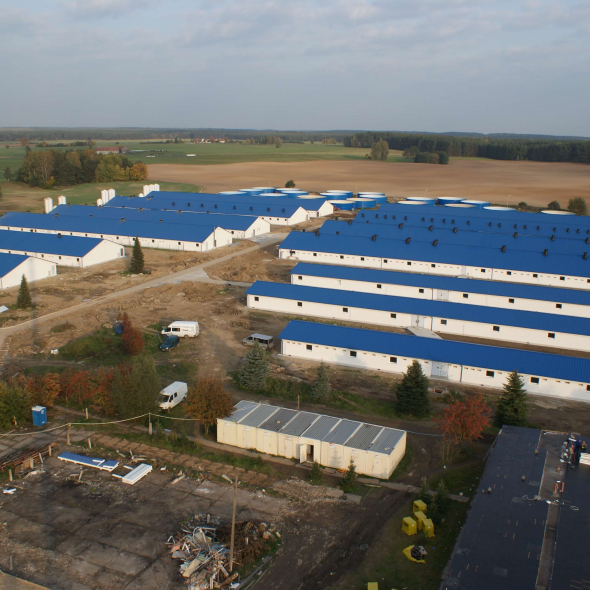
column 423, row 493
column 320, row 390
column 512, row 406
column 440, row 504
column 137, row 262
column 316, row 475
column 135, row 387
column 23, row 300
column 348, row 482
column 254, row 369
column 412, row 392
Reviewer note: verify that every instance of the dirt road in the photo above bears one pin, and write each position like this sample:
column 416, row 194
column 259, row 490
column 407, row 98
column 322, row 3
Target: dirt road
column 536, row 183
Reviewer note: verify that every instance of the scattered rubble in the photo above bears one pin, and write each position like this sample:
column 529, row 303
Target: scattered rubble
column 302, row 490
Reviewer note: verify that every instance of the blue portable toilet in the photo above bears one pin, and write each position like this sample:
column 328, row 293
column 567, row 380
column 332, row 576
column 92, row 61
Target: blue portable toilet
column 39, row 415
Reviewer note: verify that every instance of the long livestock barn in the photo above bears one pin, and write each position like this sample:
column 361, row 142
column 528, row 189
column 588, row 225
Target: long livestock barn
column 14, row 266
column 62, row 250
column 533, row 298
column 524, row 327
column 122, row 232
column 316, row 206
column 472, row 364
column 443, row 218
column 556, row 270
column 455, row 237
column 239, row 226
column 284, row 213
column 333, row 442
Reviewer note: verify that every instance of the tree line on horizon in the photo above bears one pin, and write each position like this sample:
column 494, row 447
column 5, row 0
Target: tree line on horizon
column 576, row 151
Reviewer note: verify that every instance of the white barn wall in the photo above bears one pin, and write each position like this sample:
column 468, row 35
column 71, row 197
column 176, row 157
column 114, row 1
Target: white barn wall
column 551, row 387
column 549, row 280
column 404, row 320
column 267, row 442
column 34, row 269
column 227, row 432
column 485, row 300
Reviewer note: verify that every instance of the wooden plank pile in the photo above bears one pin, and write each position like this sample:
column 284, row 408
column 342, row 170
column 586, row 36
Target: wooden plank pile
column 26, row 458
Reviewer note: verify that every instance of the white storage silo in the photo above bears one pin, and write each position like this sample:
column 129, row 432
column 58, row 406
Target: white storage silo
column 61, row 200
column 48, row 202
column 427, row 200
column 553, row 212
column 477, row 204
column 498, row 208
column 99, row 202
column 104, row 195
column 111, row 193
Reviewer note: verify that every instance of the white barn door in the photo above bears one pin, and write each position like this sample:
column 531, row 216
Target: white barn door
column 440, row 369
column 418, row 321
column 442, row 295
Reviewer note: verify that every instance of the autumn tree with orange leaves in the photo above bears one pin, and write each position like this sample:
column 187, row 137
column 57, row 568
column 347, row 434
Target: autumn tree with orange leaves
column 207, row 401
column 465, row 421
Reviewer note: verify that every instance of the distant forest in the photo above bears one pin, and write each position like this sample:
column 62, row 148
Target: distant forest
column 495, row 148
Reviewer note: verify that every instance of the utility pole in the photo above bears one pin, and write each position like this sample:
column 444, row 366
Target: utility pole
column 233, row 521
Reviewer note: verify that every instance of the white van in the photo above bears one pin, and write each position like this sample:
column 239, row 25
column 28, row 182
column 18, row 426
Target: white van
column 182, row 329
column 173, row 395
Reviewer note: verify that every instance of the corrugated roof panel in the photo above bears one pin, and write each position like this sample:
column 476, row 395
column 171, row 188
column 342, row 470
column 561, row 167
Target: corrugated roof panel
column 387, row 441
column 108, row 211
column 342, row 432
column 258, row 416
column 243, row 408
column 321, row 427
column 426, row 307
column 446, row 351
column 278, row 420
column 129, row 228
column 299, row 424
column 9, row 262
column 364, row 437
column 516, row 260
column 470, row 285
column 46, row 243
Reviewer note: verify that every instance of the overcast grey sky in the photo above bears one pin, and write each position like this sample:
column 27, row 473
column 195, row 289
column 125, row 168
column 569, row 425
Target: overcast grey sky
column 433, row 65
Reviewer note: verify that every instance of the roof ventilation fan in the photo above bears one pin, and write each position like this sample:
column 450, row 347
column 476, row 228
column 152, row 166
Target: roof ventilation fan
column 400, row 225
column 317, row 233
column 350, row 222
column 408, row 240
column 422, row 219
column 373, row 238
column 435, row 242
column 552, row 238
column 515, row 234
column 545, row 252
column 587, row 241
column 503, row 249
column 455, row 230
column 430, row 227
column 585, row 256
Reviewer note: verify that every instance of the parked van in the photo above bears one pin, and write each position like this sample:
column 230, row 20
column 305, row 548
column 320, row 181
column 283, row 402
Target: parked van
column 264, row 341
column 173, row 395
column 182, row 329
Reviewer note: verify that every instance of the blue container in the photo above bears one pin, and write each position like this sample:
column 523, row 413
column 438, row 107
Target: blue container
column 39, row 415
column 341, row 194
column 342, row 205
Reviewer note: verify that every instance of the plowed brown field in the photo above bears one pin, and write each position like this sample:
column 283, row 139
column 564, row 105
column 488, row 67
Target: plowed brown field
column 536, row 183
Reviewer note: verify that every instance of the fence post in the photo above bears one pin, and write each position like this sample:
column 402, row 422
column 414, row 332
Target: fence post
column 150, row 424
column 68, row 435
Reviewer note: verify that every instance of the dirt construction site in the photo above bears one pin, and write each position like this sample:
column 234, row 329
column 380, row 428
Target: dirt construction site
column 70, row 528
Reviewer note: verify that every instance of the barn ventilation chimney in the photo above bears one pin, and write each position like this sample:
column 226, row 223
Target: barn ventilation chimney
column 503, row 249
column 585, row 256
column 553, row 238
column 545, row 252
column 373, row 238
column 400, row 225
column 408, row 239
column 515, row 234
column 455, row 230
column 435, row 242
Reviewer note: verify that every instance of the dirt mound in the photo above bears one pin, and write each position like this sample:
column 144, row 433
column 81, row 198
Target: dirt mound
column 301, row 490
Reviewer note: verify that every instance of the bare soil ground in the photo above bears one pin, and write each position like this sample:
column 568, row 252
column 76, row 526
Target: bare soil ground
column 536, row 183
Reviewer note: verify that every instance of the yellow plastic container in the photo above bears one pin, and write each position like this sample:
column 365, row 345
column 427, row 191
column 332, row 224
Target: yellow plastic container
column 428, row 527
column 420, row 517
column 372, row 586
column 409, row 525
column 419, row 506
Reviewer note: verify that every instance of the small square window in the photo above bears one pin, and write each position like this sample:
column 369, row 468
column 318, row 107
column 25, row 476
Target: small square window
column 315, row 254
column 409, row 263
column 378, row 286
column 558, row 305
column 353, row 353
column 465, row 295
column 393, row 359
column 420, row 290
column 345, row 309
column 443, row 322
column 393, row 315
column 496, row 328
column 551, row 335
column 483, row 270
column 385, row 260
column 510, row 300
column 300, row 278
column 256, row 298
column 489, row 373
column 308, row 346
column 587, row 387
column 362, row 258
column 534, row 380
column 341, row 257
column 562, row 278
column 433, row 266
column 535, row 276
column 509, row 273
column 299, row 304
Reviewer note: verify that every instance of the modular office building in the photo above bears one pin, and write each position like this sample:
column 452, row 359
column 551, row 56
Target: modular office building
column 570, row 302
column 536, row 268
column 13, row 267
column 473, row 364
column 333, row 442
column 524, row 327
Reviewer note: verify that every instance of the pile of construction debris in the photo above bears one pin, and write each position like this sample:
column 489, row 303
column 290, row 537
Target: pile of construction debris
column 203, row 547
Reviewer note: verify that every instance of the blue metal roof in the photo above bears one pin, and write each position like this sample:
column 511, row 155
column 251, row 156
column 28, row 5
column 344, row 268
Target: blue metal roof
column 425, row 307
column 558, row 264
column 62, row 223
column 9, row 262
column 308, row 204
column 46, row 243
column 228, row 222
column 284, row 208
column 392, row 277
column 445, row 217
column 445, row 351
column 459, row 237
